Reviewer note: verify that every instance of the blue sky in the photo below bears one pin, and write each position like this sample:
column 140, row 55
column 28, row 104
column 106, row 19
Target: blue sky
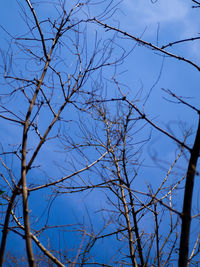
column 162, row 22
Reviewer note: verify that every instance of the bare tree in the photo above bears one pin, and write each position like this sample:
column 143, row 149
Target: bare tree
column 41, row 93
column 186, row 213
column 131, row 208
column 81, row 132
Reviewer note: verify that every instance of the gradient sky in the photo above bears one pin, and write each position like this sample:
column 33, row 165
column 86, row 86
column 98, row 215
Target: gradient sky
column 159, row 23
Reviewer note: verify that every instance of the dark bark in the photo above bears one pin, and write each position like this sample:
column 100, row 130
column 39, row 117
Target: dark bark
column 187, row 204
